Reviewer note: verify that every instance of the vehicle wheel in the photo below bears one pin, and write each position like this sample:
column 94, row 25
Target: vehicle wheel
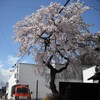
column 16, row 98
column 6, row 96
column 28, row 98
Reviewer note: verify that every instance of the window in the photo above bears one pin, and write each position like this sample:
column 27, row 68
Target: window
column 22, row 90
column 15, row 75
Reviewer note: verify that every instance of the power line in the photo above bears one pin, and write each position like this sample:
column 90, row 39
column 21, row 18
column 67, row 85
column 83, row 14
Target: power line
column 37, row 39
column 21, row 57
column 94, row 7
column 64, row 6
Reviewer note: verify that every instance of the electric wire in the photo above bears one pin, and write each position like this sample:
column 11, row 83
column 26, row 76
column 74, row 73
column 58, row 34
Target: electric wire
column 93, row 7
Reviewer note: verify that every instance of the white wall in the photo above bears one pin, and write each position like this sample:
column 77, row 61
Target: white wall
column 87, row 73
column 11, row 82
column 27, row 75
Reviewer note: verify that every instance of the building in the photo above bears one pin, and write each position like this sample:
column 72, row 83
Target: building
column 87, row 73
column 28, row 74
column 91, row 74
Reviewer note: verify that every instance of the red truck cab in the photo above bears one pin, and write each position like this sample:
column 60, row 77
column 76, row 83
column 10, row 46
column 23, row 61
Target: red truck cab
column 21, row 92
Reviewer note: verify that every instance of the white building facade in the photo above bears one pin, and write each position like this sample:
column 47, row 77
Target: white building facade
column 87, row 73
column 25, row 74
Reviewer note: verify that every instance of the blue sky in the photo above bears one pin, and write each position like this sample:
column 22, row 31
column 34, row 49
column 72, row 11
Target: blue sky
column 12, row 11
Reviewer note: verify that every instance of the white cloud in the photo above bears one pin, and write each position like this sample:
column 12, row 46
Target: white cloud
column 1, row 65
column 12, row 60
column 24, row 61
column 4, row 73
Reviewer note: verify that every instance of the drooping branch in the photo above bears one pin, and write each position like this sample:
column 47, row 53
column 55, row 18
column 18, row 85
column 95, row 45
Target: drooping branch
column 63, row 68
column 49, row 61
column 97, row 49
column 40, row 36
column 62, row 55
column 67, row 63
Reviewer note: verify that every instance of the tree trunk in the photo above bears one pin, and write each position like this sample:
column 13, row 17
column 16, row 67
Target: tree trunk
column 53, row 72
column 52, row 81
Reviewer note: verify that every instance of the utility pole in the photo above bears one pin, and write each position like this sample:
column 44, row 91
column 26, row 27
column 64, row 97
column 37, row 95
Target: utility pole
column 37, row 90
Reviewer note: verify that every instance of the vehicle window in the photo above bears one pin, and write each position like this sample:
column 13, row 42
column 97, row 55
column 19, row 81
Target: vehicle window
column 22, row 90
column 19, row 90
column 25, row 90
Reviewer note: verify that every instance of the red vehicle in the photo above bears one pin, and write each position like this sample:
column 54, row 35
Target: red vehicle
column 21, row 92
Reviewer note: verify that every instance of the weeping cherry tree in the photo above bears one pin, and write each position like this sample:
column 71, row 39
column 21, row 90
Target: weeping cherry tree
column 57, row 38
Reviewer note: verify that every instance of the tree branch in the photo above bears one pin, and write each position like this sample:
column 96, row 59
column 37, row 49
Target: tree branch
column 40, row 36
column 62, row 55
column 48, row 62
column 63, row 68
column 97, row 49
